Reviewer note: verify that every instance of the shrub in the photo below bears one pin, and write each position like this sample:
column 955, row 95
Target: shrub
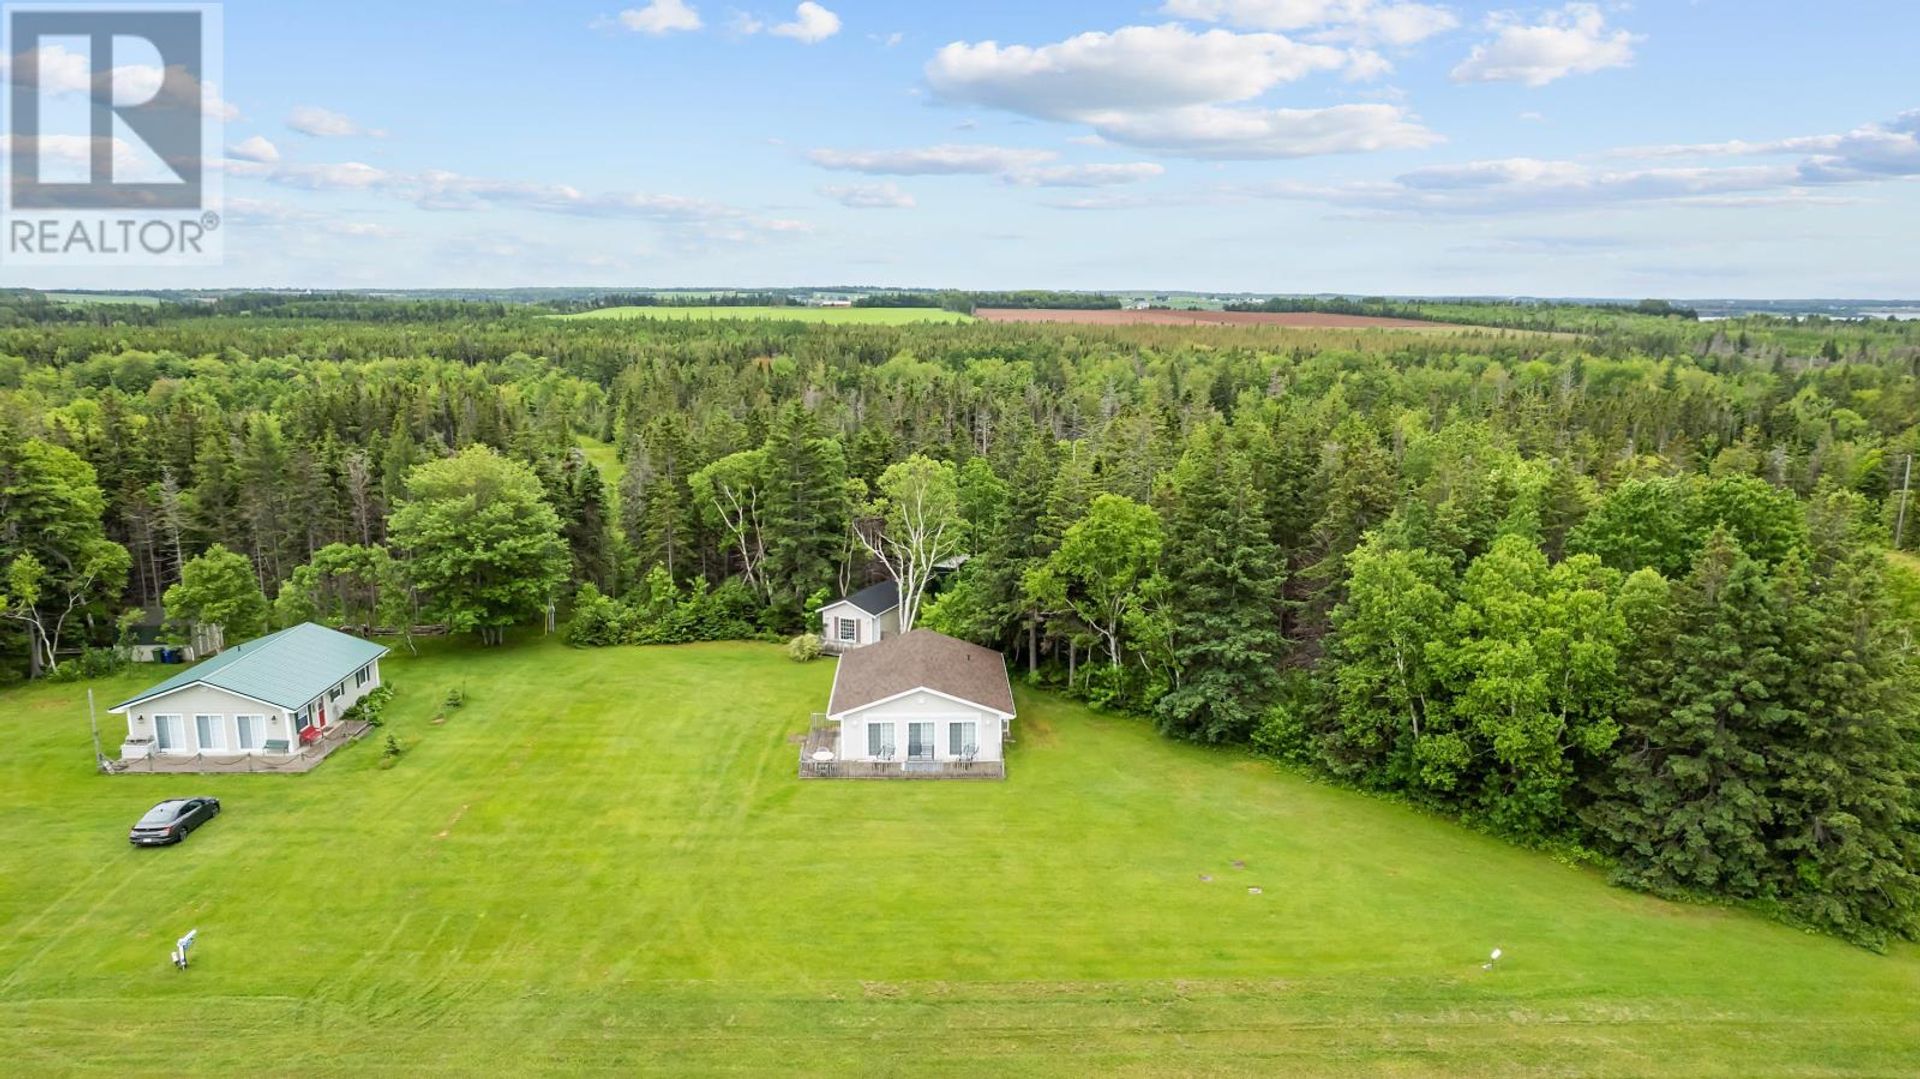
column 804, row 648
column 368, row 709
column 1286, row 731
column 598, row 620
column 456, row 697
column 90, row 663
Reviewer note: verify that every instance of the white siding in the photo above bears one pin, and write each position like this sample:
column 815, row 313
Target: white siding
column 190, row 701
column 919, row 707
column 867, row 628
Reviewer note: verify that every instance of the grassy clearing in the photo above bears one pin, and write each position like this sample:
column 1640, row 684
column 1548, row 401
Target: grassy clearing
column 859, row 316
column 604, row 861
column 605, row 457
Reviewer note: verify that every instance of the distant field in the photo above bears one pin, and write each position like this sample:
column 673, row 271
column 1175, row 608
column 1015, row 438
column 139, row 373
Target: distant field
column 857, row 316
column 604, row 863
column 1158, row 317
column 101, row 297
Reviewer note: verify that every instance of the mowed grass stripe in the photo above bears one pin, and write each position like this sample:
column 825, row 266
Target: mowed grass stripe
column 630, row 876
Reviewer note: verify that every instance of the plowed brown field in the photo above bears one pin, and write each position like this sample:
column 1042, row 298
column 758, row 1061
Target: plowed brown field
column 1112, row 317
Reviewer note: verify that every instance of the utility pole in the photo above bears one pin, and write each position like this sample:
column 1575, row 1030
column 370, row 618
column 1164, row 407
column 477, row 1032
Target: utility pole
column 1906, row 487
column 93, row 721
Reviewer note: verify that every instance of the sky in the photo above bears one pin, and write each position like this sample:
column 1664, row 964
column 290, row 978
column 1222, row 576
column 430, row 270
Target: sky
column 1670, row 148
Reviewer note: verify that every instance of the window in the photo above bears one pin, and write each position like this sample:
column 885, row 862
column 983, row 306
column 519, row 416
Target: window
column 879, row 739
column 210, row 731
column 362, row 676
column 302, row 721
column 166, row 731
column 962, row 738
column 849, row 629
column 334, row 693
column 253, row 730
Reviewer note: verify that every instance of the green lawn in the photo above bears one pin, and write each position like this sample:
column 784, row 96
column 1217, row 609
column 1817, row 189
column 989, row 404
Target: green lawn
column 865, row 316
column 103, row 297
column 605, row 862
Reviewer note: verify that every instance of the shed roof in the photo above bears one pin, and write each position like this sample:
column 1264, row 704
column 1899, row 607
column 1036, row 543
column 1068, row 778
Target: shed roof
column 875, row 598
column 921, row 659
column 286, row 669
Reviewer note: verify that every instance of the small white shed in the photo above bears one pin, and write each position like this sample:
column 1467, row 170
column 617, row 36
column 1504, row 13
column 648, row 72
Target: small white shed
column 866, row 617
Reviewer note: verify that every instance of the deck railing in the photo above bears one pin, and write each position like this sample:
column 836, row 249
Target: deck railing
column 823, row 735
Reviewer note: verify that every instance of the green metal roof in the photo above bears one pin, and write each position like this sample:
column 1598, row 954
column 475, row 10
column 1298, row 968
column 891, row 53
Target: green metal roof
column 287, row 669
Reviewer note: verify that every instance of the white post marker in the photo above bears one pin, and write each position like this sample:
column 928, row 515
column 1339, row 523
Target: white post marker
column 180, row 948
column 1491, row 960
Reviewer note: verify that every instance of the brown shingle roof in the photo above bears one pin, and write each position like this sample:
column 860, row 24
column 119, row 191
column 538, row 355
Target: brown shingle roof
column 921, row 659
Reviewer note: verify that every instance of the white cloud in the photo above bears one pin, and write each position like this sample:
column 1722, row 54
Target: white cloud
column 256, row 149
column 1574, row 40
column 130, row 165
column 363, row 229
column 887, row 196
column 440, row 189
column 1171, row 89
column 1085, row 175
column 1867, row 154
column 943, row 160
column 1207, row 131
column 811, row 24
column 327, row 124
column 660, row 17
column 1397, row 24
column 1131, row 69
column 64, row 72
column 340, row 176
column 1888, row 150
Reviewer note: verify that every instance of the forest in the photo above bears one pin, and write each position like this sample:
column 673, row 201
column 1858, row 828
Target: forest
column 1634, row 590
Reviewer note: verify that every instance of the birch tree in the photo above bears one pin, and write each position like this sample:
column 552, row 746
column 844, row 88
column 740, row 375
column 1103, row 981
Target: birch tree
column 730, row 492
column 912, row 525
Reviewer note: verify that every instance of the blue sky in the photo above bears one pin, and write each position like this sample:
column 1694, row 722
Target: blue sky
column 1752, row 148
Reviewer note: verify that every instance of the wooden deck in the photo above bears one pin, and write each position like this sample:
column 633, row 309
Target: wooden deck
column 826, row 736
column 309, row 758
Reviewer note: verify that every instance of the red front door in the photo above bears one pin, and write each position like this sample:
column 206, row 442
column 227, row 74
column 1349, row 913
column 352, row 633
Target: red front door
column 320, row 715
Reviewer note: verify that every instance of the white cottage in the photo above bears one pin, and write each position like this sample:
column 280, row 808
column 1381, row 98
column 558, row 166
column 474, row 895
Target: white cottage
column 921, row 702
column 866, row 617
column 270, row 696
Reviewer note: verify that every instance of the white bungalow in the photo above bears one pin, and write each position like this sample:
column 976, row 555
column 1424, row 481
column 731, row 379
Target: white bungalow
column 866, row 617
column 271, row 696
column 921, row 703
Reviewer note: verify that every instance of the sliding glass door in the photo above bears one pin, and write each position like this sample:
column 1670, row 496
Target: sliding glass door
column 920, row 741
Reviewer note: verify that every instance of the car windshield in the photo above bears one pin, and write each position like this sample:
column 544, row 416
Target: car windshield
column 162, row 813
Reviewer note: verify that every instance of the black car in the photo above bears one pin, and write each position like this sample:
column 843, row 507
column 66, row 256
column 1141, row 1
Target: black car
column 171, row 820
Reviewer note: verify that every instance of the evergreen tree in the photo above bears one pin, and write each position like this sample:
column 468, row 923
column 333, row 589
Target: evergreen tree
column 1686, row 804
column 1846, row 799
column 807, row 507
column 1224, row 583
